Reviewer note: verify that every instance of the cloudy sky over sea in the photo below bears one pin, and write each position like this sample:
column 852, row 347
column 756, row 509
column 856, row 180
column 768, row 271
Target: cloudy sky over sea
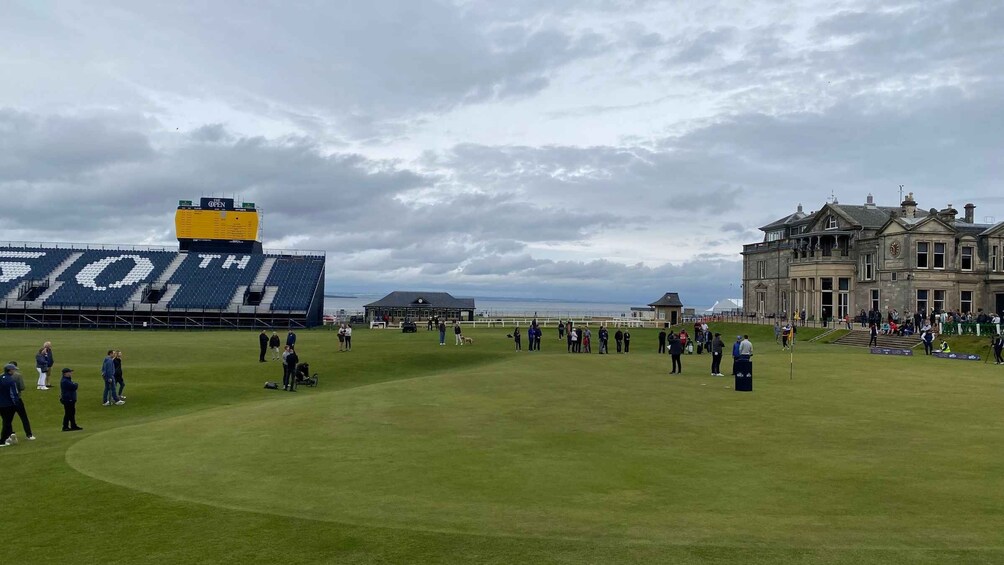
column 589, row 149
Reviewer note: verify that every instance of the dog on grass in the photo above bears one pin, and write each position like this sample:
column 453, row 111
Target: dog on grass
column 468, row 341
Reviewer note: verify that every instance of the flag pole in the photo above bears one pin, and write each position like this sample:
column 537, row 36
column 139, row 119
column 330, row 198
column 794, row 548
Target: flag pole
column 791, row 358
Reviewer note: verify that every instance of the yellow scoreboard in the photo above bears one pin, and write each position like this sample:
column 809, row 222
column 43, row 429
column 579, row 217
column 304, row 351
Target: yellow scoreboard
column 229, row 225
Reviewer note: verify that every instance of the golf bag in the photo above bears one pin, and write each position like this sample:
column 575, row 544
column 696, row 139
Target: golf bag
column 303, row 376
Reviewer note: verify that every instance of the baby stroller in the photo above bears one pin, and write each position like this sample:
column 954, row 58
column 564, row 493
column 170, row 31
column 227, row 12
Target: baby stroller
column 303, row 376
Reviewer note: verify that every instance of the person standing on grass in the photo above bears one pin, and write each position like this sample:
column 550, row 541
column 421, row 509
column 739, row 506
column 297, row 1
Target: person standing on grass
column 662, row 341
column 873, row 335
column 348, row 337
column 587, row 338
column 341, row 336
column 291, row 360
column 291, row 338
column 785, row 336
column 561, row 330
column 41, row 365
column 118, row 373
column 458, row 333
column 49, row 362
column 262, row 346
column 777, row 332
column 717, row 348
column 619, row 338
column 442, row 332
column 274, row 343
column 735, row 353
column 516, row 339
column 604, row 339
column 108, row 374
column 928, row 339
column 9, row 399
column 746, row 349
column 675, row 347
column 285, row 367
column 627, row 341
column 998, row 346
column 68, row 398
column 19, row 409
column 573, row 337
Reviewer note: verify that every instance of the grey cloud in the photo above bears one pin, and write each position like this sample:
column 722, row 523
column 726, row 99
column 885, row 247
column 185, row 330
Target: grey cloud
column 735, row 227
column 34, row 148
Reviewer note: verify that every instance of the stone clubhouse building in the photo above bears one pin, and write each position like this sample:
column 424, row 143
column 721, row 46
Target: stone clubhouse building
column 843, row 259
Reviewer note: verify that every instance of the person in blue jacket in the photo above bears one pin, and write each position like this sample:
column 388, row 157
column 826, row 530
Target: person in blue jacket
column 735, row 353
column 291, row 338
column 9, row 399
column 108, row 374
column 68, row 398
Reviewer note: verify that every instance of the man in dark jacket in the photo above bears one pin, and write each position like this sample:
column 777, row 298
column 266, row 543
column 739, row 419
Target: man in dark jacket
column 604, row 338
column 619, row 338
column 9, row 399
column 717, row 348
column 735, row 353
column 68, row 398
column 20, row 410
column 273, row 344
column 291, row 338
column 108, row 374
column 262, row 346
column 289, row 375
column 675, row 351
column 662, row 341
column 998, row 346
column 627, row 341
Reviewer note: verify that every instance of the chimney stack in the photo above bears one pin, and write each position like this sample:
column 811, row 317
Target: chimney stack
column 970, row 212
column 870, row 202
column 909, row 207
column 948, row 214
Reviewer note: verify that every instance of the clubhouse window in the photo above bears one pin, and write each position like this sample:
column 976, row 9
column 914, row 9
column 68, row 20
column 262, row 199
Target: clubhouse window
column 993, row 259
column 922, row 300
column 875, row 299
column 939, row 255
column 939, row 300
column 869, row 267
column 967, row 258
column 923, row 248
column 966, row 301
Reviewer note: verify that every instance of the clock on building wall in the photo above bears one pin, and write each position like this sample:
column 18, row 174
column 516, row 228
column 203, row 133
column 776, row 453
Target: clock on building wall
column 895, row 248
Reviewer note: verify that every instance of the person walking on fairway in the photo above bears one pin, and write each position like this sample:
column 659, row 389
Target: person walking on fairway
column 19, row 408
column 9, row 399
column 68, row 398
column 873, row 335
column 108, row 374
column 458, row 333
column 675, row 351
column 717, row 347
column 118, row 373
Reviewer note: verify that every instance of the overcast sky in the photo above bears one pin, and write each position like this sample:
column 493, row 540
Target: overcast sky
column 606, row 150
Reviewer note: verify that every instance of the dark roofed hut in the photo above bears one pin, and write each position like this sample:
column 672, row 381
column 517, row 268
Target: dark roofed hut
column 668, row 308
column 420, row 306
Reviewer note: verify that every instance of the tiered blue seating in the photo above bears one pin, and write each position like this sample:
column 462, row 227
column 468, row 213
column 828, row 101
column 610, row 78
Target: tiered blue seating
column 209, row 280
column 297, row 278
column 108, row 278
column 20, row 264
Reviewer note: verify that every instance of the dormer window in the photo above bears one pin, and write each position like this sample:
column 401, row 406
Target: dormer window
column 831, row 222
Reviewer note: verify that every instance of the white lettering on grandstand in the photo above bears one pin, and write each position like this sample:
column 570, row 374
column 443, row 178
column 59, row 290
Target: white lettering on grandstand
column 216, row 203
column 10, row 270
column 88, row 276
column 232, row 260
column 207, row 259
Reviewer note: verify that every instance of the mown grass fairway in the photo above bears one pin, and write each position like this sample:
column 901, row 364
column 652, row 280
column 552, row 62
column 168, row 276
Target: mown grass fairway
column 413, row 453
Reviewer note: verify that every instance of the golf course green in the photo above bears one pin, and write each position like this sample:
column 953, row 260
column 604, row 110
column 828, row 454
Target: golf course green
column 409, row 452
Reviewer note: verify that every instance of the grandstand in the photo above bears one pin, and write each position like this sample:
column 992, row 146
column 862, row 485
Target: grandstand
column 206, row 283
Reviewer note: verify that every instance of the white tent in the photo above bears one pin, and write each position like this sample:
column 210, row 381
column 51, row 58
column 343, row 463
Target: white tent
column 725, row 305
